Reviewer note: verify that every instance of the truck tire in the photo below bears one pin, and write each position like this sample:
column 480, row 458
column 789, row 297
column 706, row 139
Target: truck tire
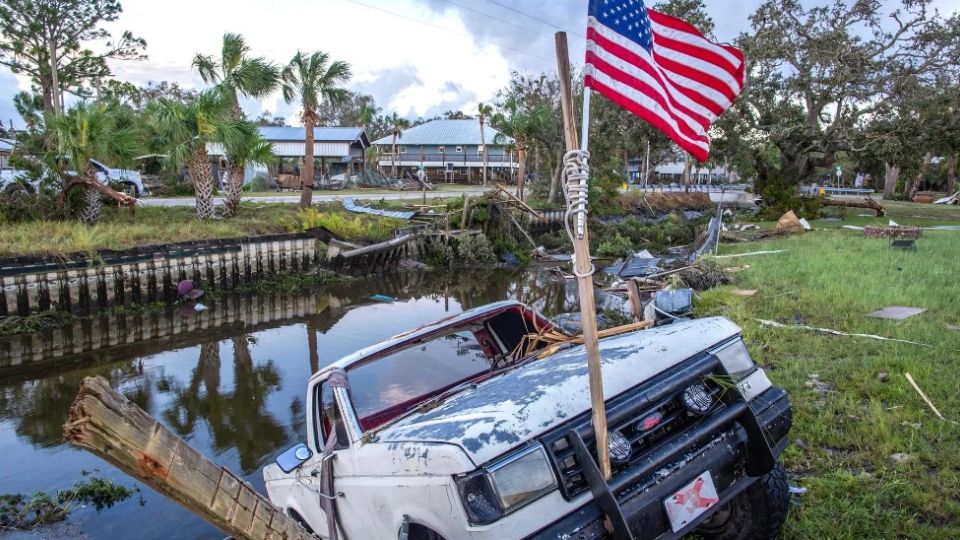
column 757, row 513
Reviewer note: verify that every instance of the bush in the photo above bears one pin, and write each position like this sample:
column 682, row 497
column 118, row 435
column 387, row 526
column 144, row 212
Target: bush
column 259, row 183
column 359, row 228
column 19, row 205
column 617, row 246
column 475, row 250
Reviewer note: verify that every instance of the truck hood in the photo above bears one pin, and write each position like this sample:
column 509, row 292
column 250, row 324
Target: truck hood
column 498, row 414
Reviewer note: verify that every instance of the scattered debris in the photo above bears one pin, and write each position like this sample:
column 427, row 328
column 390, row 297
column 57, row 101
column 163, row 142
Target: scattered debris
column 703, row 275
column 868, row 204
column 900, row 457
column 673, row 304
column 893, row 231
column 199, row 307
column 752, row 253
column 351, row 205
column 916, row 387
column 637, row 265
column 735, row 269
column 775, row 324
column 188, row 291
column 953, row 327
column 745, row 292
column 953, row 199
column 789, row 223
column 896, row 313
column 883, row 376
column 382, row 298
column 796, row 490
column 805, row 224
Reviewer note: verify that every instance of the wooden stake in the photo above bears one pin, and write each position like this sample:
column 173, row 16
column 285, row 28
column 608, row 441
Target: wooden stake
column 924, row 396
column 582, row 265
column 107, row 424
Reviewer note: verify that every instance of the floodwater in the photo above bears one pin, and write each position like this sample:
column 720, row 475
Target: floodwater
column 230, row 380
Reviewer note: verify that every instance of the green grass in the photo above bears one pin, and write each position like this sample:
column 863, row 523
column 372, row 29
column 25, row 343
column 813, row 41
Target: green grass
column 853, row 407
column 117, row 229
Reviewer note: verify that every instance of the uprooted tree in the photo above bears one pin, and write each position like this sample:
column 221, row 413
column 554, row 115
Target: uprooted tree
column 817, row 75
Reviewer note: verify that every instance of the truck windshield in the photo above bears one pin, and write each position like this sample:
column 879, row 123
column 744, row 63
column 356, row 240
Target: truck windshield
column 388, row 387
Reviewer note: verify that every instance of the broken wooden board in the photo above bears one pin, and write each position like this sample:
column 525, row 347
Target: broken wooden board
column 109, row 425
column 896, row 313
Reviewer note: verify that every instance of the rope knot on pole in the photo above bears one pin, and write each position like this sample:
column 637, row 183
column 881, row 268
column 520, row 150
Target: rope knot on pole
column 576, row 172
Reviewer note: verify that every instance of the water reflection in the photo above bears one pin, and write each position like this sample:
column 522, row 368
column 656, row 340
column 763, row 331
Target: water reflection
column 230, row 380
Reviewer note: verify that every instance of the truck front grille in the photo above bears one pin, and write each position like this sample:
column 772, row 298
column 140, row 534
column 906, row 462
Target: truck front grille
column 675, row 418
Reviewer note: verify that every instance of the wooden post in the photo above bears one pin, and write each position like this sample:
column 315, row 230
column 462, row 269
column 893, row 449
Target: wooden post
column 466, row 213
column 107, row 424
column 582, row 265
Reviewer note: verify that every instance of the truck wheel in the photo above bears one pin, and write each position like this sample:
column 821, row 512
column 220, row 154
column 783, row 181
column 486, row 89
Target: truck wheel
column 419, row 532
column 757, row 513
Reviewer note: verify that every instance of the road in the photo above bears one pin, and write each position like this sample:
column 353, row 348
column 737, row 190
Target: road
column 319, row 196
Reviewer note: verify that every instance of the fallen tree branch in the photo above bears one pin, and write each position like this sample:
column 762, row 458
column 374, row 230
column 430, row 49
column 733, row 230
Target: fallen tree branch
column 121, row 198
column 775, row 324
column 868, row 204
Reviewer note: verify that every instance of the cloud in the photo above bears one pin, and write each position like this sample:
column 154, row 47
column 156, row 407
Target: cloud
column 9, row 86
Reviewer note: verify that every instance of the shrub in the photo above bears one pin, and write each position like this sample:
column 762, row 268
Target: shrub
column 475, row 250
column 259, row 183
column 617, row 246
column 358, row 228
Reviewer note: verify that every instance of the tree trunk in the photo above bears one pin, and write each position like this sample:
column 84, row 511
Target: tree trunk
column 235, row 175
column 483, row 141
column 687, row 164
column 555, row 181
column 890, row 178
column 312, row 350
column 202, row 175
column 952, row 175
column 107, row 424
column 306, row 172
column 91, row 205
column 927, row 158
column 521, row 169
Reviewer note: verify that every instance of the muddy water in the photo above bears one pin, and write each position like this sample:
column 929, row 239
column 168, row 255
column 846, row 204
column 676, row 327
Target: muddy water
column 232, row 386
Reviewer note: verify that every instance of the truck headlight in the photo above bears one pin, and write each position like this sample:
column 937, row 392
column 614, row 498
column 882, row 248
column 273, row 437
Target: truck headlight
column 501, row 487
column 736, row 360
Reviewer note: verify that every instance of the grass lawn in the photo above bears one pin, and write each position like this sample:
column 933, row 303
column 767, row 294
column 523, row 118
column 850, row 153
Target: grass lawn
column 853, row 407
column 118, row 229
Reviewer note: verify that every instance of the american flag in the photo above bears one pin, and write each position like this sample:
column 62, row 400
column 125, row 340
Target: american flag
column 661, row 69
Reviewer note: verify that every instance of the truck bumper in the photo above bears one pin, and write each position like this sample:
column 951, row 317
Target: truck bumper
column 730, row 450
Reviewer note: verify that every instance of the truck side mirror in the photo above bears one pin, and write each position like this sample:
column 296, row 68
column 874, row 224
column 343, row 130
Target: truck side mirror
column 293, row 457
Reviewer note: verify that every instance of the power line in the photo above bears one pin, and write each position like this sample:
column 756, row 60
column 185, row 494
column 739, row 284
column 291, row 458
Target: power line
column 535, row 18
column 445, row 29
column 504, row 21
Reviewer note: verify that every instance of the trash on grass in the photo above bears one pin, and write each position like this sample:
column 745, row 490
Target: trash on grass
column 775, row 324
column 797, row 490
column 916, row 387
column 745, row 292
column 896, row 313
column 789, row 223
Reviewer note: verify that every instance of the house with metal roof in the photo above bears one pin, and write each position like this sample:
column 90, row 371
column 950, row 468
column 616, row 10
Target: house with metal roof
column 6, row 148
column 336, row 150
column 450, row 150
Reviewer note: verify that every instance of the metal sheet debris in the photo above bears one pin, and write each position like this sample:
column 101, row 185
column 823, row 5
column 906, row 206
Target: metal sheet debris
column 350, row 204
column 896, row 313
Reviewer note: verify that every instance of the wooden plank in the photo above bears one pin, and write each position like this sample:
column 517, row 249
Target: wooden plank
column 107, row 424
column 582, row 264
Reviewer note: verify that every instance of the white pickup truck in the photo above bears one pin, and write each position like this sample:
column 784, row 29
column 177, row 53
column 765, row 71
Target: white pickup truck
column 120, row 179
column 446, row 433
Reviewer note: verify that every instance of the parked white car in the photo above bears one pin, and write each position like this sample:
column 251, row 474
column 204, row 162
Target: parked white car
column 121, row 179
column 445, row 433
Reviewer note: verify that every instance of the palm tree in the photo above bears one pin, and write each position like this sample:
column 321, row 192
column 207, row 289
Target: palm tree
column 397, row 125
column 524, row 125
column 87, row 132
column 184, row 131
column 365, row 115
column 235, row 74
column 248, row 147
column 312, row 77
column 483, row 113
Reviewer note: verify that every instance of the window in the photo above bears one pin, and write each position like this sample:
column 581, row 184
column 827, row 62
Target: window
column 403, row 149
column 459, row 149
column 384, row 389
column 440, row 149
column 480, row 150
column 330, row 416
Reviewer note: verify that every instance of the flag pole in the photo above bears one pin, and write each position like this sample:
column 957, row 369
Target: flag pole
column 582, row 265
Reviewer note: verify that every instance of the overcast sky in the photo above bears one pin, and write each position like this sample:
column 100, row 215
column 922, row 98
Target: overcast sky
column 416, row 57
